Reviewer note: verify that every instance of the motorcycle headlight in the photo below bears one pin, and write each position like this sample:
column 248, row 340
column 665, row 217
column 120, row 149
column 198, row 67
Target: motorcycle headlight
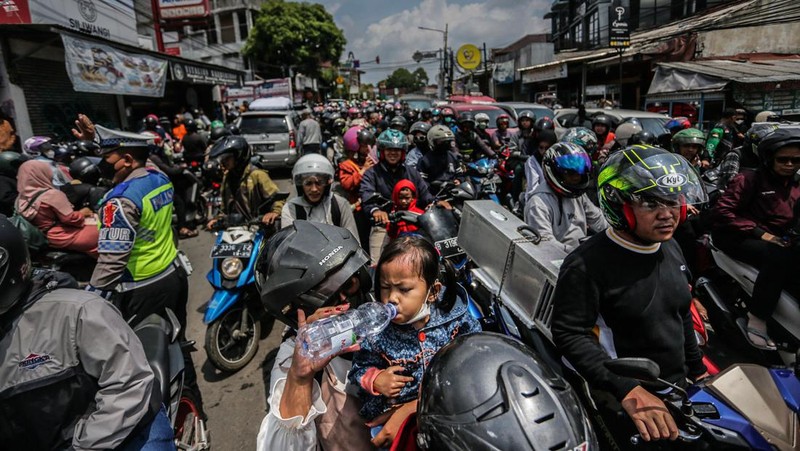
column 232, row 267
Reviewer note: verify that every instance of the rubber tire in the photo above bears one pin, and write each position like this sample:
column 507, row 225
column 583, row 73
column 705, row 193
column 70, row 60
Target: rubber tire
column 212, row 344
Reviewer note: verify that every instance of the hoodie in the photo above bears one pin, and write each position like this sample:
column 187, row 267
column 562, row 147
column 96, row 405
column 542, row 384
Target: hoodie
column 395, row 229
column 320, row 212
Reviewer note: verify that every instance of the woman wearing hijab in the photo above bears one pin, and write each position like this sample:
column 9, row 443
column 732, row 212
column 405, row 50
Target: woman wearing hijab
column 47, row 208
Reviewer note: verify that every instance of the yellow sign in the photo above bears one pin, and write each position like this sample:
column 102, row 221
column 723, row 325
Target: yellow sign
column 468, row 57
column 339, row 80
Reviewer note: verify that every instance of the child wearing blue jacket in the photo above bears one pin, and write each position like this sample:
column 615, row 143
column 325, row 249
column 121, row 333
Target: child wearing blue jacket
column 431, row 311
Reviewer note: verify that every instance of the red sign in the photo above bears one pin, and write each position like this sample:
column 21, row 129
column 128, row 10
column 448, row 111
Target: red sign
column 14, row 12
column 174, row 51
column 182, row 9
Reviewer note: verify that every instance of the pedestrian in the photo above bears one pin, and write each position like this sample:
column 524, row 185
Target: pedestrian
column 309, row 134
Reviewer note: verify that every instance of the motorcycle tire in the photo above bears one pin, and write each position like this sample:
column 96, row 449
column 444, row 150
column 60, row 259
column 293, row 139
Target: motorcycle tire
column 219, row 341
column 186, row 423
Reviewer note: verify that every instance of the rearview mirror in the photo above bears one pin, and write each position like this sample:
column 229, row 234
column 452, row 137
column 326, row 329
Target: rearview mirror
column 635, row 368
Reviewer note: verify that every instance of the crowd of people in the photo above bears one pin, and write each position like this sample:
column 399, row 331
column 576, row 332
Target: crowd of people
column 611, row 195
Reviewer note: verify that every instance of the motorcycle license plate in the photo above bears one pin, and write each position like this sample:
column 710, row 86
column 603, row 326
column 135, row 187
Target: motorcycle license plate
column 223, row 250
column 449, row 247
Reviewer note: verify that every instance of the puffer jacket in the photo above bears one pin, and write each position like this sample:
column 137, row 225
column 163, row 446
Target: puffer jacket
column 412, row 349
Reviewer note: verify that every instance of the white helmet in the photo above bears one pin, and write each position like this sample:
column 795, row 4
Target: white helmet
column 311, row 164
column 767, row 116
column 625, row 131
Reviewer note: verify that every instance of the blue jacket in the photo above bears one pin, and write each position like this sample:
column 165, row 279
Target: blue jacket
column 379, row 179
column 402, row 345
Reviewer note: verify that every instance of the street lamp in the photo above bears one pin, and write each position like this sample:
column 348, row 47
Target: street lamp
column 443, row 67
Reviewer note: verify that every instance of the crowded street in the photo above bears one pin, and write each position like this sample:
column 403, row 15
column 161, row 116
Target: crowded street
column 446, row 225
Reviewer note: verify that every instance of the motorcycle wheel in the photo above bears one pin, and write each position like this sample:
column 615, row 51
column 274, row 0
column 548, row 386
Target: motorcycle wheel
column 225, row 350
column 187, row 420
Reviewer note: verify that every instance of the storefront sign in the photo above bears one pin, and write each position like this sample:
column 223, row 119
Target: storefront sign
column 504, row 72
column 468, row 57
column 276, row 87
column 181, row 9
column 619, row 33
column 94, row 67
column 596, row 90
column 203, row 75
column 109, row 19
column 546, row 73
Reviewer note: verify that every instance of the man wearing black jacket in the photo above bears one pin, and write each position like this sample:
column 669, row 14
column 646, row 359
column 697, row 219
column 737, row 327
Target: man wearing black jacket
column 625, row 292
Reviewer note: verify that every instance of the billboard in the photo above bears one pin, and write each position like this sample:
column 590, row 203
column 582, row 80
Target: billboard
column 182, row 9
column 109, row 19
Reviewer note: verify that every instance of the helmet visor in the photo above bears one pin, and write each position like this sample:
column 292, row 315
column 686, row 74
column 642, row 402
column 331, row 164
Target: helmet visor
column 337, row 281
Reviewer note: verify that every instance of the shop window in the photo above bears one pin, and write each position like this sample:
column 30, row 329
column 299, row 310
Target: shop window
column 227, row 30
column 242, row 25
column 594, row 29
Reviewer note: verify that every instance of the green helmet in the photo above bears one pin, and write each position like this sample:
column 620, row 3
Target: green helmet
column 439, row 134
column 688, row 136
column 392, row 139
column 216, row 124
column 645, row 172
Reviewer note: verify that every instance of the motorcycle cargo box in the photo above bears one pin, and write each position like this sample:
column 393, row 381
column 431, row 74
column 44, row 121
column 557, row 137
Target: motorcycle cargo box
column 510, row 262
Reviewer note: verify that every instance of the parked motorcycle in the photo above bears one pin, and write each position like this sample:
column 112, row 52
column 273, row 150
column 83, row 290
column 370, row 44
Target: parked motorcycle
column 235, row 317
column 744, row 407
column 164, row 351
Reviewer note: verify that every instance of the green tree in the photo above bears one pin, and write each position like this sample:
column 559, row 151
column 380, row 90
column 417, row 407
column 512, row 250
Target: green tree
column 422, row 77
column 401, row 78
column 299, row 35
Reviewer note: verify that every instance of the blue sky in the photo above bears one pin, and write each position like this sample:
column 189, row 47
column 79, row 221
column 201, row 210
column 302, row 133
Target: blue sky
column 388, row 28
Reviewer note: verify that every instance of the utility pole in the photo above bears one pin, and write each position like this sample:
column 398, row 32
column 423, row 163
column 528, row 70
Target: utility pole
column 157, row 25
column 443, row 69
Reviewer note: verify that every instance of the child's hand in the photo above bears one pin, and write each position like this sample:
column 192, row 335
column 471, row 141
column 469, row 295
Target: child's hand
column 389, row 383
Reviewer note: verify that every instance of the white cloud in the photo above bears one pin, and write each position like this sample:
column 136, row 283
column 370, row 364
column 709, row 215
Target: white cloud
column 396, row 37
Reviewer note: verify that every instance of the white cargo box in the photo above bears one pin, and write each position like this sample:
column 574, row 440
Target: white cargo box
column 512, row 262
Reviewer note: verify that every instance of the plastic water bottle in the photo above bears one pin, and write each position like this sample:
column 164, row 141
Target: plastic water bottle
column 328, row 336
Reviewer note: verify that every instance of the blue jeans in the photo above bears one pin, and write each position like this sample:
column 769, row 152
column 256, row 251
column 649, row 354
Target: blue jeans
column 156, row 436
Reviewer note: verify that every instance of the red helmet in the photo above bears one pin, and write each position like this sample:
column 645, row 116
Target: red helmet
column 502, row 117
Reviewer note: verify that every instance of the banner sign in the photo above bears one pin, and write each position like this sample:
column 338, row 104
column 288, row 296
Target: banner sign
column 99, row 68
column 182, row 9
column 276, row 87
column 546, row 73
column 619, row 33
column 108, row 19
column 504, row 72
column 203, row 75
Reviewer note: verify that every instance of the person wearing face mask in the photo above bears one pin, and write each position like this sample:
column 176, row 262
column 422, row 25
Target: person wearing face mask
column 442, row 163
column 313, row 175
column 449, row 118
column 721, row 138
column 431, row 311
column 139, row 268
column 419, row 139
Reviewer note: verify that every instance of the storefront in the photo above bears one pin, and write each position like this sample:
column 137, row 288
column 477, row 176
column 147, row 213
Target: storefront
column 49, row 74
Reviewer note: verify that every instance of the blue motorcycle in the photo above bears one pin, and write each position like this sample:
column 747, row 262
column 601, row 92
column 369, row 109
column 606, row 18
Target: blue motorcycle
column 483, row 175
column 235, row 317
column 744, row 407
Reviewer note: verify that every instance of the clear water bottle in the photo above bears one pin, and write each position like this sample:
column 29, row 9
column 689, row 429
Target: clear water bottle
column 328, row 336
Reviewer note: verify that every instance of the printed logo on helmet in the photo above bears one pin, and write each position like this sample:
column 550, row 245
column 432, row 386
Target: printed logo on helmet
column 33, row 361
column 672, row 180
column 330, row 255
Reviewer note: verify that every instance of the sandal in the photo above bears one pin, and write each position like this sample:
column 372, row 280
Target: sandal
column 187, row 233
column 768, row 344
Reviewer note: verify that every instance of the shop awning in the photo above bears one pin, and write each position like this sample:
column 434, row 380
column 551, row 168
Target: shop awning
column 714, row 75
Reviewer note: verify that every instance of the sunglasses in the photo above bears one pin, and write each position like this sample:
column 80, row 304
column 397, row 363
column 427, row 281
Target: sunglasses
column 794, row 161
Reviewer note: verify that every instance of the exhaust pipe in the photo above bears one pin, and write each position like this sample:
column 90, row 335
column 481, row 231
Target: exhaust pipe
column 703, row 283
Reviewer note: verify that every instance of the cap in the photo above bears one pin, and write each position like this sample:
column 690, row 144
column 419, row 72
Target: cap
column 111, row 140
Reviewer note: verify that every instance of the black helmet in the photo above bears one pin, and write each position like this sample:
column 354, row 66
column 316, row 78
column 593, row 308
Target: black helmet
column 643, row 137
column 365, row 136
column 235, row 145
column 85, row 170
column 603, row 119
column 234, row 129
column 425, row 114
column 466, row 119
column 526, row 115
column 15, row 265
column 783, row 135
column 305, row 265
column 218, row 133
column 509, row 399
column 545, row 123
column 420, row 127
column 562, row 158
column 10, row 163
column 150, row 122
column 191, row 126
column 755, row 134
column 399, row 123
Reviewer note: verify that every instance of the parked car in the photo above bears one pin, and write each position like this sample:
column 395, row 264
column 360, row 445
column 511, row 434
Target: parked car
column 652, row 122
column 417, row 101
column 491, row 110
column 514, row 108
column 271, row 135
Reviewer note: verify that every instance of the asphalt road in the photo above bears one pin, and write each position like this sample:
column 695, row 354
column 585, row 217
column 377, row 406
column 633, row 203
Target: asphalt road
column 235, row 403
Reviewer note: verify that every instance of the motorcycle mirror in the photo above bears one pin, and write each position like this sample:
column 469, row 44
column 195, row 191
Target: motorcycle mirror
column 635, row 368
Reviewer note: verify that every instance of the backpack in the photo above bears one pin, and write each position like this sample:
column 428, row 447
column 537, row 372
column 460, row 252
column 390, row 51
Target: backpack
column 34, row 238
column 336, row 213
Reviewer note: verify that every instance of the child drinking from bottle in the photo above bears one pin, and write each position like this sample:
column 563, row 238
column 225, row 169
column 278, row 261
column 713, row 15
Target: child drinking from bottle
column 431, row 311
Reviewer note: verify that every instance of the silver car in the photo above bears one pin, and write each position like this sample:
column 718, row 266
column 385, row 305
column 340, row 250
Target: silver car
column 271, row 135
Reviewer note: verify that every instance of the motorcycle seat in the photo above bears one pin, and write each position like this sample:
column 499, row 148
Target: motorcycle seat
column 154, row 333
column 744, row 273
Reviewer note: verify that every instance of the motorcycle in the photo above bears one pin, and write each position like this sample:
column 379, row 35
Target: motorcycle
column 483, row 175
column 744, row 407
column 164, row 352
column 235, row 317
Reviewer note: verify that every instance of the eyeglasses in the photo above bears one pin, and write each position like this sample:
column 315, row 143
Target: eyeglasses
column 794, row 161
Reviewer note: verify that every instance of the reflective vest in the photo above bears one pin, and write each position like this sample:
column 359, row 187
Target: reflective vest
column 151, row 244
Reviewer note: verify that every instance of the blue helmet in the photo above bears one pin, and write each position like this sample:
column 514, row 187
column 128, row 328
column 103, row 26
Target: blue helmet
column 392, row 139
